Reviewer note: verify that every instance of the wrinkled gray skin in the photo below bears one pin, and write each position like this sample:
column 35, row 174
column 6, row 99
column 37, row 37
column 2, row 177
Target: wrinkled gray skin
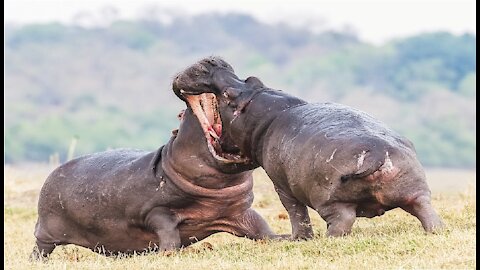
column 335, row 159
column 131, row 200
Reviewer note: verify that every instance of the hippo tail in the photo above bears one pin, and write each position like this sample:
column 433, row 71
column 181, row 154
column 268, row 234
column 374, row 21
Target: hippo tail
column 368, row 162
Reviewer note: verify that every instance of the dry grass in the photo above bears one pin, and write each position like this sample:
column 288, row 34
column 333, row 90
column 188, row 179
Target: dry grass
column 393, row 241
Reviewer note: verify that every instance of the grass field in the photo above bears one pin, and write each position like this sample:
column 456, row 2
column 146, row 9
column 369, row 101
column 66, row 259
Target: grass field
column 392, row 241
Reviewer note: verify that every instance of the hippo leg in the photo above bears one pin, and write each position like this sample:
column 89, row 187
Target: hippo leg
column 339, row 217
column 41, row 251
column 298, row 214
column 164, row 223
column 253, row 226
column 423, row 210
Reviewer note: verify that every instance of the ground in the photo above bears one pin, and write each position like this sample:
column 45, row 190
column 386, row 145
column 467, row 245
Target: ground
column 395, row 240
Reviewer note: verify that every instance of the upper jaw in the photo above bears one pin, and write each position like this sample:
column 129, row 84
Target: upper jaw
column 193, row 81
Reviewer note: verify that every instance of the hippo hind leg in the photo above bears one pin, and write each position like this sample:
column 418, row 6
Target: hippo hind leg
column 423, row 210
column 339, row 217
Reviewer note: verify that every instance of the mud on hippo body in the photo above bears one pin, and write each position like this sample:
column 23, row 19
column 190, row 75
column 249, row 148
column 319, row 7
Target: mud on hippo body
column 335, row 159
column 134, row 201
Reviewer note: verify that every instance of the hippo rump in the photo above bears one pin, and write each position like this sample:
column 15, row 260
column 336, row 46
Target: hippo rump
column 335, row 159
column 126, row 201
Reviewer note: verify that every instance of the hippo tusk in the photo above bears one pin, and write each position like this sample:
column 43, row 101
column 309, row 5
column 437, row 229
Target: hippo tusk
column 199, row 113
column 206, row 101
column 213, row 134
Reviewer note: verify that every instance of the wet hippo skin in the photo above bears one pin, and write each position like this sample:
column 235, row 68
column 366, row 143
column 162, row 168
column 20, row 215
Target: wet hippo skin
column 333, row 158
column 133, row 201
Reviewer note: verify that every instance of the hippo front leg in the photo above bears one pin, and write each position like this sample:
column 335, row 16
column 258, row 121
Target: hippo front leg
column 339, row 217
column 41, row 251
column 298, row 214
column 164, row 223
column 423, row 210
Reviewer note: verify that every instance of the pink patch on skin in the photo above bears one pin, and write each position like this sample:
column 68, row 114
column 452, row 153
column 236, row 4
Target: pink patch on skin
column 380, row 197
column 411, row 199
column 383, row 175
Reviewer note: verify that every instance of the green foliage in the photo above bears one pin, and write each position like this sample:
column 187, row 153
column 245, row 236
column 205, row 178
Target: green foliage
column 131, row 34
column 468, row 85
column 106, row 128
column 433, row 57
column 444, row 143
column 111, row 86
column 47, row 33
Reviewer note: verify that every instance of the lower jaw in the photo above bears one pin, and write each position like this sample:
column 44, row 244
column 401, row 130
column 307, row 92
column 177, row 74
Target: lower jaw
column 235, row 159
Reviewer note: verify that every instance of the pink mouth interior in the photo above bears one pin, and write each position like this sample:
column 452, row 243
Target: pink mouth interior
column 205, row 108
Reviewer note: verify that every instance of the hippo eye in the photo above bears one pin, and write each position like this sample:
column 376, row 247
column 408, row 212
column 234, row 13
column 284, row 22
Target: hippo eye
column 231, row 93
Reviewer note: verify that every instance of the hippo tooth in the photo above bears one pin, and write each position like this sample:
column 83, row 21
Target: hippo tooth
column 203, row 68
column 213, row 134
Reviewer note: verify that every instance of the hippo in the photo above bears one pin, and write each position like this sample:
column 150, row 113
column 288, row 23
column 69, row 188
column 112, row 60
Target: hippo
column 335, row 159
column 126, row 201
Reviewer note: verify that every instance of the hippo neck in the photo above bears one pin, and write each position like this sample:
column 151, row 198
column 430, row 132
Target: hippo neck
column 186, row 158
column 185, row 183
column 256, row 119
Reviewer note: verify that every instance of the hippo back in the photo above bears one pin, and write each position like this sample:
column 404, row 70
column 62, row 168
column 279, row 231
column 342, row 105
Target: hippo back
column 332, row 139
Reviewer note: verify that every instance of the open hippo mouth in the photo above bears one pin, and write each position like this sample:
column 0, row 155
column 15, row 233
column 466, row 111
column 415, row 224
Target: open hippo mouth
column 205, row 108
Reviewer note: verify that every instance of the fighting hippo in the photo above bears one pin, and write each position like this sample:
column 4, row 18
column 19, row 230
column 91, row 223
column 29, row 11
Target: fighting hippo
column 335, row 159
column 126, row 201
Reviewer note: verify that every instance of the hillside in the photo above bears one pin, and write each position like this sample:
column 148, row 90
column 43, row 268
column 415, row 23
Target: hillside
column 111, row 87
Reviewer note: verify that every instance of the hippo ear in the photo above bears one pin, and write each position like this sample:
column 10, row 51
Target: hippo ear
column 231, row 93
column 254, row 82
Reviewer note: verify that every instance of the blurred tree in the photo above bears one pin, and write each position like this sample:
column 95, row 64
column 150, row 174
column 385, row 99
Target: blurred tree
column 110, row 86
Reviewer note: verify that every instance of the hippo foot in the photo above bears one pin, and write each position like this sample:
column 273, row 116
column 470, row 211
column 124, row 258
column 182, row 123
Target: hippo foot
column 423, row 210
column 436, row 229
column 436, row 226
column 337, row 232
column 168, row 253
column 303, row 235
column 280, row 237
column 41, row 251
column 340, row 218
column 37, row 256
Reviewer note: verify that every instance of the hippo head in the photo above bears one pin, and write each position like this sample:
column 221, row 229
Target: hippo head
column 229, row 109
column 204, row 86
